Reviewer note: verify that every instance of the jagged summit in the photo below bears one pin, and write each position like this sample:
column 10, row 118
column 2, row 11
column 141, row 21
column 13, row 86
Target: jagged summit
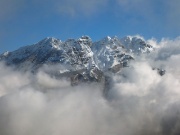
column 108, row 54
column 136, row 44
column 107, row 38
column 85, row 40
column 50, row 41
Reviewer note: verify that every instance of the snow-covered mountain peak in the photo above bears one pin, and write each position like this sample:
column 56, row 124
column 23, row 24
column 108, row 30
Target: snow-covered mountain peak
column 107, row 39
column 130, row 38
column 85, row 40
column 109, row 52
column 77, row 54
column 136, row 44
column 51, row 42
column 82, row 44
column 5, row 54
column 111, row 42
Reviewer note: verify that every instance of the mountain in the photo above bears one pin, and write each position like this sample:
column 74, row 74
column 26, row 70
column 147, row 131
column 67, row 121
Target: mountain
column 79, row 59
column 110, row 53
column 136, row 45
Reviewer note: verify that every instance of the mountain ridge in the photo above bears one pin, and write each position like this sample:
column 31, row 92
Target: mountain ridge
column 80, row 60
column 78, row 53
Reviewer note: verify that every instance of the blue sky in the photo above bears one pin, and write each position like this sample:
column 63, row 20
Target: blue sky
column 24, row 22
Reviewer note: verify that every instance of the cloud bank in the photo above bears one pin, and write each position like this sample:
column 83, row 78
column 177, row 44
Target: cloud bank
column 139, row 102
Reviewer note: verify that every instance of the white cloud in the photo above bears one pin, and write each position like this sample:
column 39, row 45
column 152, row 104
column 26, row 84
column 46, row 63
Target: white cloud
column 138, row 80
column 11, row 81
column 139, row 102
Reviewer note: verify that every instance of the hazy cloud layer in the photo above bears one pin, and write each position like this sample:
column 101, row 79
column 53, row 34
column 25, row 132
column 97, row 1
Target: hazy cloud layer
column 68, row 7
column 173, row 11
column 157, row 12
column 154, row 8
column 139, row 102
column 81, row 7
column 71, row 8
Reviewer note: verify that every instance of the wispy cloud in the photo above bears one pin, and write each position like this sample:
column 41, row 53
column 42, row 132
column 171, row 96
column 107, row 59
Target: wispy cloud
column 154, row 10
column 70, row 8
column 10, row 8
column 80, row 7
column 164, row 14
column 173, row 12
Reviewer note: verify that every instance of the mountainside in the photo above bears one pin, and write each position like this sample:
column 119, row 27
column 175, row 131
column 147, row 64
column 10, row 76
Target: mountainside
column 81, row 59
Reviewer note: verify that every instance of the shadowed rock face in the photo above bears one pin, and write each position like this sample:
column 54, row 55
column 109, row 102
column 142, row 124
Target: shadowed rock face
column 94, row 75
column 160, row 71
